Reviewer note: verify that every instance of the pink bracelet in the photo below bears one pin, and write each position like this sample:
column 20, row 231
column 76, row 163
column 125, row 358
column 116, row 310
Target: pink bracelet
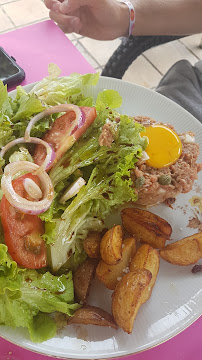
column 132, row 15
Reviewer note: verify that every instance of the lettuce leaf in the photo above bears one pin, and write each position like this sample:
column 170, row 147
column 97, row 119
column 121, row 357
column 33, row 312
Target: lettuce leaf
column 28, row 298
column 5, row 101
column 67, row 89
column 26, row 105
column 15, row 115
column 108, row 98
column 6, row 132
column 108, row 182
column 21, row 155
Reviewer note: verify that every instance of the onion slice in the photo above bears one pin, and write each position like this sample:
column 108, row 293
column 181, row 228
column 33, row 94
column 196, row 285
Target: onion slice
column 50, row 153
column 24, row 205
column 56, row 109
column 72, row 190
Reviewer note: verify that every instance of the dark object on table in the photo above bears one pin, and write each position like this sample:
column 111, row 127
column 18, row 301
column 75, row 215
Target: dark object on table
column 10, row 72
column 196, row 269
column 129, row 50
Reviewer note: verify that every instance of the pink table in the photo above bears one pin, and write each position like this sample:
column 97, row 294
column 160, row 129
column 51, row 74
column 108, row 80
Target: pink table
column 185, row 346
column 34, row 47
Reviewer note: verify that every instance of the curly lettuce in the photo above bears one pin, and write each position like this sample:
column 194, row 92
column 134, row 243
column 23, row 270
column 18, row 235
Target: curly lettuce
column 28, row 299
column 106, row 171
column 109, row 185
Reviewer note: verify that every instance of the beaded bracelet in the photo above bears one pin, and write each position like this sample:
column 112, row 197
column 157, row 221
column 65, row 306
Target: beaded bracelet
column 132, row 15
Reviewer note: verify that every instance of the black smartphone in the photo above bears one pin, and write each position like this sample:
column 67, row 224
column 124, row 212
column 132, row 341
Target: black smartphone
column 10, row 72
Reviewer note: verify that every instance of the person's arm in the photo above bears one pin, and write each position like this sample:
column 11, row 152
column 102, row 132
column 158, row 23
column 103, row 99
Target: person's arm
column 167, row 17
column 109, row 19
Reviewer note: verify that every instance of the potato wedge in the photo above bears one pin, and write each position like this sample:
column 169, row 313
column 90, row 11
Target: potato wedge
column 184, row 252
column 146, row 226
column 92, row 244
column 146, row 257
column 111, row 245
column 92, row 315
column 128, row 297
column 83, row 277
column 110, row 275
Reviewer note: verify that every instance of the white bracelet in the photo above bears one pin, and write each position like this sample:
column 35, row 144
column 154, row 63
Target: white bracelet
column 132, row 15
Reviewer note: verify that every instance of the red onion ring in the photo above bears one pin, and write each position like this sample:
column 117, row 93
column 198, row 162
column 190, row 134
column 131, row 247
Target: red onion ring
column 50, row 156
column 56, row 109
column 24, row 205
column 80, row 123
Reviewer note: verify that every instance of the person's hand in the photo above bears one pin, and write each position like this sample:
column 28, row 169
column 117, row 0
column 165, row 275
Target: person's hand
column 97, row 19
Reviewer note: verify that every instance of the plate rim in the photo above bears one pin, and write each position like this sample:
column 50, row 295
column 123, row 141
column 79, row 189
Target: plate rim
column 110, row 79
column 103, row 356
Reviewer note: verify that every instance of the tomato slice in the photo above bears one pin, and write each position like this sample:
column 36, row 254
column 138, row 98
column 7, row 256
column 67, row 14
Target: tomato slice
column 58, row 136
column 22, row 232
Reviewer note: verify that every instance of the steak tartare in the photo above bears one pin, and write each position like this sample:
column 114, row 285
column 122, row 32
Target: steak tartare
column 157, row 185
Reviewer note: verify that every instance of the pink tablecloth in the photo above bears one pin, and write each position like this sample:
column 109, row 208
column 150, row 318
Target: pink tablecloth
column 34, row 47
column 185, row 346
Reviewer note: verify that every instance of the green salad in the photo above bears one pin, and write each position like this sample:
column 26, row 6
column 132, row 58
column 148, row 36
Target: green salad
column 29, row 297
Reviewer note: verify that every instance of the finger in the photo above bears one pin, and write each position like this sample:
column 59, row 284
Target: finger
column 51, row 3
column 72, row 5
column 66, row 23
column 70, row 28
column 59, row 18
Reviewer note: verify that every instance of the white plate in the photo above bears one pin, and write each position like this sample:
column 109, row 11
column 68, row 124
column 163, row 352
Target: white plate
column 176, row 300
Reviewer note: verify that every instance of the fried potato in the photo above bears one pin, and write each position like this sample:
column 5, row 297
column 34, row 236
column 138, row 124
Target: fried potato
column 111, row 245
column 92, row 244
column 146, row 257
column 83, row 277
column 146, row 226
column 110, row 275
column 183, row 252
column 92, row 315
column 128, row 297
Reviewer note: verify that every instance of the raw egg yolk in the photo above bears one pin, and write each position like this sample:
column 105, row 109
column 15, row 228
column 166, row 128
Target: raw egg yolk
column 164, row 146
